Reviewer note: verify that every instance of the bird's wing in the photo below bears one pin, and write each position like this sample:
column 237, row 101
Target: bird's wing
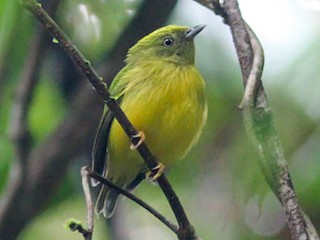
column 100, row 145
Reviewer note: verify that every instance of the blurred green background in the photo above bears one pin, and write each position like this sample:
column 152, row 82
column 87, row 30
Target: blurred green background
column 219, row 182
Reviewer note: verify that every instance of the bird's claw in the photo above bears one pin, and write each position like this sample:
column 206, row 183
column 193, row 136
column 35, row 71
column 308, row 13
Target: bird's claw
column 155, row 173
column 141, row 137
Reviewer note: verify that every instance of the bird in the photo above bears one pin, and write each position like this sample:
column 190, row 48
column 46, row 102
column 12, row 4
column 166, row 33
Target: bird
column 162, row 93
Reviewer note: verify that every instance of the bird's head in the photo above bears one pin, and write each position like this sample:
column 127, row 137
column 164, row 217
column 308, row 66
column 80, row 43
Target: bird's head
column 171, row 43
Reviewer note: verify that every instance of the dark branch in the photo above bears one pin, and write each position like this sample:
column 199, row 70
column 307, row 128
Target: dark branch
column 48, row 163
column 135, row 199
column 185, row 228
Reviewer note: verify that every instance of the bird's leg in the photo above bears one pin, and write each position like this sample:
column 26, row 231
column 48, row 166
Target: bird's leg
column 155, row 173
column 141, row 137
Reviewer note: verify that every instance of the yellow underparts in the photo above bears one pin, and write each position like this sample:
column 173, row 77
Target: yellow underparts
column 166, row 101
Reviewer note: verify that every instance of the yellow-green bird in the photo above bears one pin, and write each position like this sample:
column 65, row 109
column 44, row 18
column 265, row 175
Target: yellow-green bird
column 162, row 93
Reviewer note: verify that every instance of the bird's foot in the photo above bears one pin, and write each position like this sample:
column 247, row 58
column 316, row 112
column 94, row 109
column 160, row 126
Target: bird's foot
column 141, row 137
column 155, row 173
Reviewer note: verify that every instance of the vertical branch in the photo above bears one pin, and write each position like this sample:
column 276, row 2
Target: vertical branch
column 258, row 119
column 89, row 204
column 260, row 126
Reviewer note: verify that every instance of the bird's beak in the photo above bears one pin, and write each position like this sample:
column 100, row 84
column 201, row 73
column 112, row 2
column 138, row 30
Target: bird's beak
column 192, row 32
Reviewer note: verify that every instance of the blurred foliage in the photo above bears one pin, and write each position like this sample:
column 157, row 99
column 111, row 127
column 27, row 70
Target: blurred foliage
column 44, row 116
column 54, row 219
column 219, row 182
column 94, row 25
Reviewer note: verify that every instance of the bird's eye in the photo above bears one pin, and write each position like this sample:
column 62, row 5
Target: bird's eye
column 168, row 42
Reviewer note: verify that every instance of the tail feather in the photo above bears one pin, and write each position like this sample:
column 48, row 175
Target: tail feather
column 106, row 202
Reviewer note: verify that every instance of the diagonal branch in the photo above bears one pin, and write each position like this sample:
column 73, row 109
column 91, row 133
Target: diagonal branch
column 48, row 162
column 85, row 174
column 186, row 230
column 135, row 199
column 258, row 118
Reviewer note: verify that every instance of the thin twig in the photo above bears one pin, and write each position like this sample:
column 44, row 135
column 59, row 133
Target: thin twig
column 132, row 197
column 253, row 81
column 74, row 225
column 88, row 200
column 186, row 230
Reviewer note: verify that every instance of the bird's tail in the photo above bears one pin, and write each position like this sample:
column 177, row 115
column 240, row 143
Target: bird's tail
column 106, row 202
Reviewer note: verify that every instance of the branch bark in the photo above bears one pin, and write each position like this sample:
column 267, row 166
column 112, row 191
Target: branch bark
column 258, row 119
column 135, row 199
column 186, row 230
column 48, row 163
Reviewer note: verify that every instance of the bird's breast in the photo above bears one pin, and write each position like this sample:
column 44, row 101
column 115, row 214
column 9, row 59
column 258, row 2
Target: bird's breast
column 169, row 106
